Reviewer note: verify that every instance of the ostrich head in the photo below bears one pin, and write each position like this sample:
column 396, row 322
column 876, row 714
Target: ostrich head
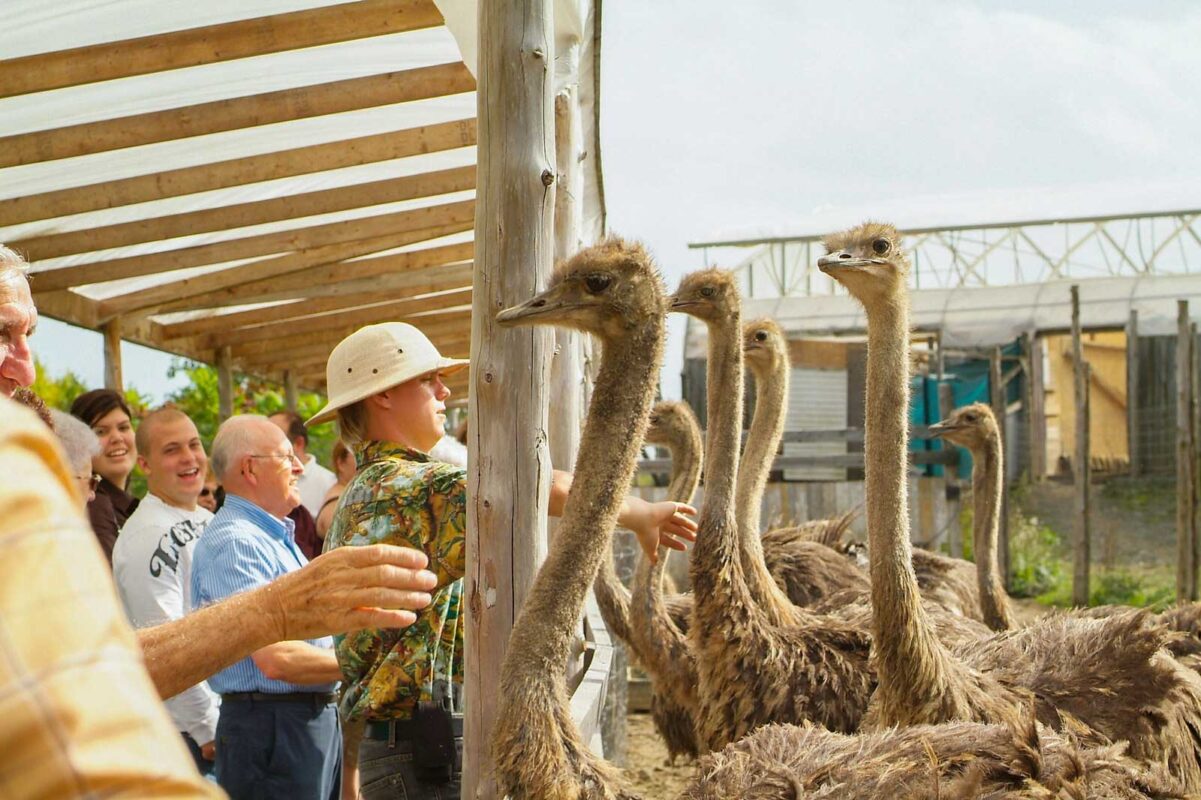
column 671, row 421
column 971, row 426
column 764, row 345
column 708, row 294
column 868, row 260
column 607, row 290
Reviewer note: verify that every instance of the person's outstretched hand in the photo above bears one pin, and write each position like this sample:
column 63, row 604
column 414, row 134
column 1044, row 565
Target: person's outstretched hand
column 378, row 586
column 665, row 523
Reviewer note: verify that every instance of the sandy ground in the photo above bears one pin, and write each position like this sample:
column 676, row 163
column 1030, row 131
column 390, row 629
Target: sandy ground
column 648, row 771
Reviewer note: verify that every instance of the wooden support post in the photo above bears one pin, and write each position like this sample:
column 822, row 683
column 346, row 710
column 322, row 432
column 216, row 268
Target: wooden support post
column 291, row 400
column 509, row 472
column 1132, row 420
column 112, row 355
column 1186, row 568
column 225, row 385
column 1081, row 534
column 996, row 388
column 946, row 404
column 1194, row 432
column 1037, row 418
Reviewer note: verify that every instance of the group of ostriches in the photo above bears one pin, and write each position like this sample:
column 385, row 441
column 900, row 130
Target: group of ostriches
column 790, row 670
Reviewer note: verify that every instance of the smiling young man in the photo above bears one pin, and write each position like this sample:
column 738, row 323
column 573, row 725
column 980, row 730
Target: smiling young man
column 152, row 558
column 385, row 388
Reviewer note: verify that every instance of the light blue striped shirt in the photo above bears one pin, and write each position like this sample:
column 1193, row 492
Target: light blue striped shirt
column 244, row 547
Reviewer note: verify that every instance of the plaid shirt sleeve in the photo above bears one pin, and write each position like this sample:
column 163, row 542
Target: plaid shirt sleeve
column 79, row 716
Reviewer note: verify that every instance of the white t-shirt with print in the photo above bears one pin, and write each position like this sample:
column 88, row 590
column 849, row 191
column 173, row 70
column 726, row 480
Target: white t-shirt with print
column 152, row 565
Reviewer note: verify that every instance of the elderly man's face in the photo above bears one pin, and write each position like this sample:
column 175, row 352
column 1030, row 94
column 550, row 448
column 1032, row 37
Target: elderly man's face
column 18, row 317
column 275, row 470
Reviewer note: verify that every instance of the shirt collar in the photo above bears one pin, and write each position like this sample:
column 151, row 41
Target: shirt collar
column 369, row 452
column 271, row 524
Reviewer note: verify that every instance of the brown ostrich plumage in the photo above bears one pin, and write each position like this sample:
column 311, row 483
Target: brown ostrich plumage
column 975, row 428
column 1111, row 675
column 613, row 291
column 756, row 663
column 661, row 642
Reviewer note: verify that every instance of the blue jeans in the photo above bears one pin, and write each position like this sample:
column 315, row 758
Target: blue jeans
column 285, row 750
column 202, row 764
column 386, row 773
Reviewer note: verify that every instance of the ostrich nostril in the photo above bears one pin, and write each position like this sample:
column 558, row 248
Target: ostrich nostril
column 844, row 255
column 539, row 304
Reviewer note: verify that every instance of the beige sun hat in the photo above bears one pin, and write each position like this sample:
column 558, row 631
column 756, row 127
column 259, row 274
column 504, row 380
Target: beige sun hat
column 375, row 358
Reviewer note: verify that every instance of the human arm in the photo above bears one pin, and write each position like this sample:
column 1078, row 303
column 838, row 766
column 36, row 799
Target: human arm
column 298, row 662
column 347, row 589
column 325, row 515
column 663, row 523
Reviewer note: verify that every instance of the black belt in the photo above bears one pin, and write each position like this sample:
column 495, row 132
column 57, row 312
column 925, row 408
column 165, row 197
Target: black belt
column 405, row 729
column 313, row 698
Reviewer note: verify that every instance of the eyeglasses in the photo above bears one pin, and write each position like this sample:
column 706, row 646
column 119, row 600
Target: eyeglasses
column 288, row 456
column 93, row 481
column 206, row 491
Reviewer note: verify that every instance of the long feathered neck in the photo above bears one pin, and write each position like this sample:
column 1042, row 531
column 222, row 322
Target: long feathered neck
column 535, row 663
column 762, row 442
column 988, row 471
column 717, row 572
column 909, row 658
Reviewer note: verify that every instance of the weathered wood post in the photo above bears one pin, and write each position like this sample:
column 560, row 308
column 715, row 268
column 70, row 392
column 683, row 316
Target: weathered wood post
column 1037, row 417
column 509, row 472
column 1081, row 529
column 1186, row 566
column 225, row 384
column 996, row 388
column 291, row 399
column 112, row 355
column 1132, row 420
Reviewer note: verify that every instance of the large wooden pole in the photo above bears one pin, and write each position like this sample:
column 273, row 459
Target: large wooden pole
column 112, row 355
column 1037, row 416
column 997, row 401
column 1081, row 533
column 225, row 385
column 291, row 398
column 509, row 474
column 1186, row 567
column 1132, row 420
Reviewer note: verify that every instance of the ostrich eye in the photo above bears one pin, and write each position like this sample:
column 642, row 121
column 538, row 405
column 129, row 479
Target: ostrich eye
column 597, row 283
column 970, row 417
column 760, row 336
column 708, row 291
column 880, row 246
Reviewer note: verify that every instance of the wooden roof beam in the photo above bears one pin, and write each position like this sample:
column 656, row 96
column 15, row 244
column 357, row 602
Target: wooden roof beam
column 388, row 312
column 412, row 272
column 238, row 112
column 242, row 215
column 244, row 320
column 436, row 218
column 446, row 325
column 239, row 172
column 214, row 43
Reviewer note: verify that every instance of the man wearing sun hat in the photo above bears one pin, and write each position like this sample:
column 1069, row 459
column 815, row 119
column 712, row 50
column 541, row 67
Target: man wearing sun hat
column 386, row 392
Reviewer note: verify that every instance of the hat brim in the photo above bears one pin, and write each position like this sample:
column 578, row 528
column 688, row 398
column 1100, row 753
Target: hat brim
column 448, row 366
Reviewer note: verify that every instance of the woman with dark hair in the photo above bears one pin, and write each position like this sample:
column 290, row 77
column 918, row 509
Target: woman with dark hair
column 109, row 417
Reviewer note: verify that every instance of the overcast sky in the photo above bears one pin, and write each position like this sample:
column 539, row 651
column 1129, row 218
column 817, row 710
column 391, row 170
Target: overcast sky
column 715, row 120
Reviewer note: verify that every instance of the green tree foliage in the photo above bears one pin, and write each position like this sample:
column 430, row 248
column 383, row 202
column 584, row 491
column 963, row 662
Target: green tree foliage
column 60, row 391
column 251, row 396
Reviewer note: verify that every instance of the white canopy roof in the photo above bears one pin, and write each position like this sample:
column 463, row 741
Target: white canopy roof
column 988, row 316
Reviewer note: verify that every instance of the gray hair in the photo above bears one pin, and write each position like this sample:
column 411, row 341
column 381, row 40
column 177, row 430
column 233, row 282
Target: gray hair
column 77, row 439
column 236, row 439
column 11, row 262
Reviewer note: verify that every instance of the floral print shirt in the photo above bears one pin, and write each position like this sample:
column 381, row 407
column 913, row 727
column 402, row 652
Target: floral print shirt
column 401, row 496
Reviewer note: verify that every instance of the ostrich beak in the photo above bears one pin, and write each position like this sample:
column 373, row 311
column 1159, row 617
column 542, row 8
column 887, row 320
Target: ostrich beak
column 941, row 429
column 841, row 259
column 548, row 304
column 677, row 303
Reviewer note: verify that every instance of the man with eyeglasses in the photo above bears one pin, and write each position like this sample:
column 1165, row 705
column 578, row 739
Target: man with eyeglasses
column 277, row 733
column 152, row 558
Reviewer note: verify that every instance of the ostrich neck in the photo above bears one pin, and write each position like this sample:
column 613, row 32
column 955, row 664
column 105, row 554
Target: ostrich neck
column 541, row 640
column 717, row 573
column 987, row 484
column 909, row 656
column 762, row 442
